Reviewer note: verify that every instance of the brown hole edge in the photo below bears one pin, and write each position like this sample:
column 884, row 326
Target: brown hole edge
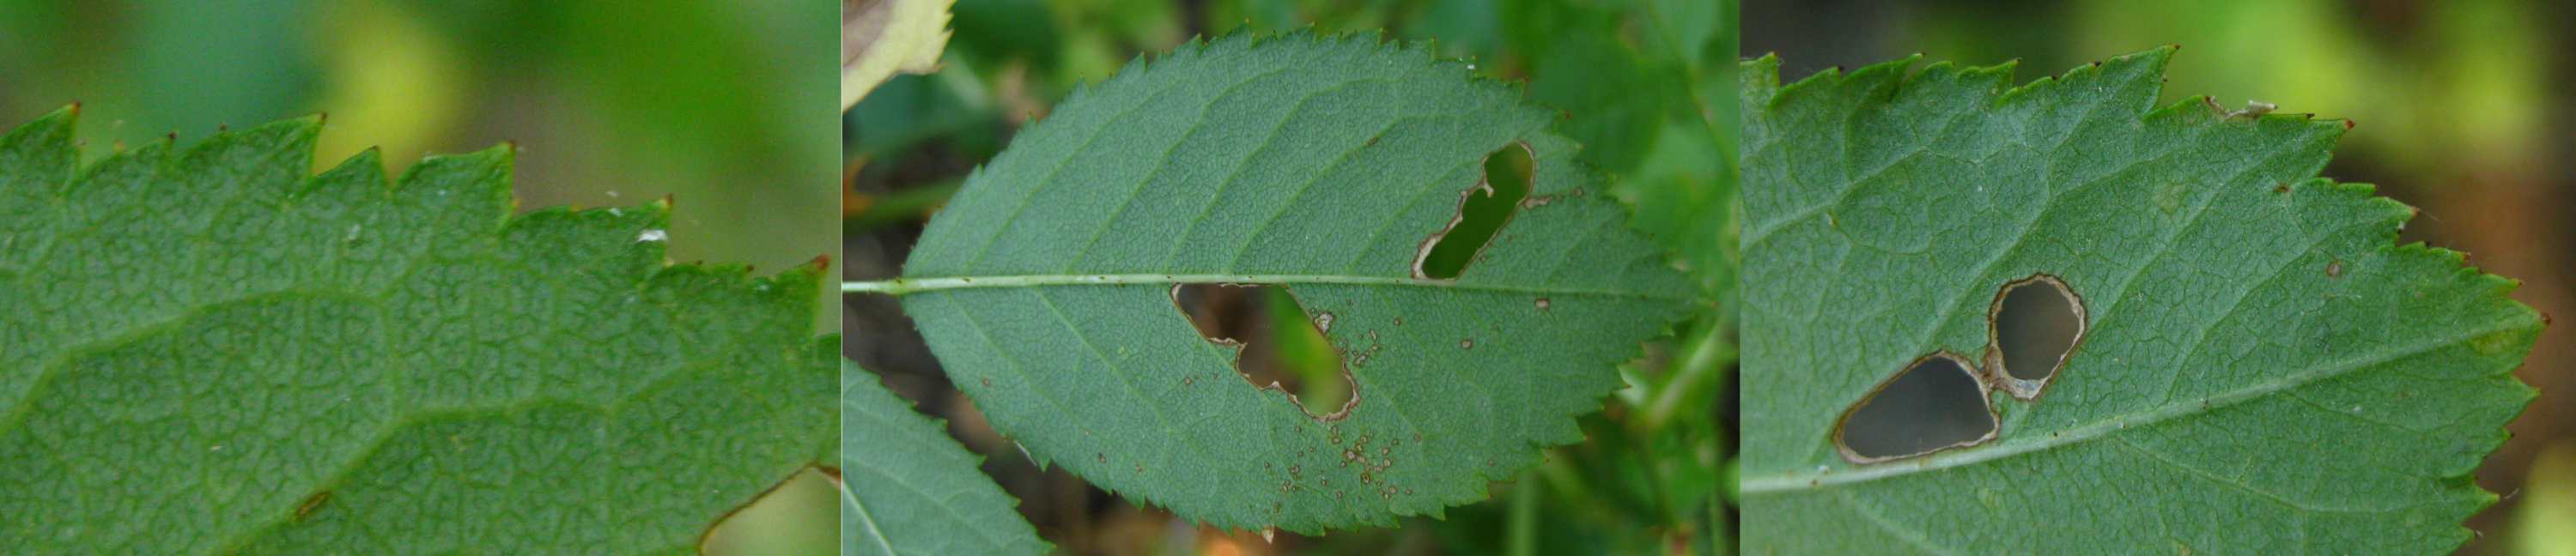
column 1993, row 373
column 1347, row 405
column 1484, row 183
column 830, row 471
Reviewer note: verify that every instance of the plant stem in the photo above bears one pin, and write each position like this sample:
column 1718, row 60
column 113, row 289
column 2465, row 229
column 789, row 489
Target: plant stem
column 1523, row 540
column 1710, row 352
column 862, row 213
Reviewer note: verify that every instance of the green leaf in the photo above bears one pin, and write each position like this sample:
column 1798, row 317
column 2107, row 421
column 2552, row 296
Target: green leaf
column 1633, row 105
column 1321, row 165
column 209, row 349
column 906, row 488
column 2263, row 370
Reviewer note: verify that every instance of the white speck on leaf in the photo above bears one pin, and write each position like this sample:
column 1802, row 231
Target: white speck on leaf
column 653, row 235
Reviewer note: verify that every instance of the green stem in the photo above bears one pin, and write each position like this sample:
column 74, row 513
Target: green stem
column 1712, row 351
column 1524, row 515
column 899, row 206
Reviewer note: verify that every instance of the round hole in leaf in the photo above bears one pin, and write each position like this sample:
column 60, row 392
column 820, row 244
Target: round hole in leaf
column 2035, row 324
column 1935, row 404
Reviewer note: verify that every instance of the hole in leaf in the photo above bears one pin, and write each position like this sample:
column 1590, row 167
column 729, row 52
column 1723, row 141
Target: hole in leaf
column 2036, row 322
column 1936, row 403
column 1279, row 345
column 1482, row 211
column 796, row 516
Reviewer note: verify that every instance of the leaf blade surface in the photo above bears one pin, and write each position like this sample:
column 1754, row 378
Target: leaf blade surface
column 2263, row 370
column 907, row 488
column 212, row 350
column 1317, row 164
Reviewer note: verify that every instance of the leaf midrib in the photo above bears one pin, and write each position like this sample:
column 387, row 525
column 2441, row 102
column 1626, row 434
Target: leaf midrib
column 902, row 286
column 864, row 517
column 1785, row 482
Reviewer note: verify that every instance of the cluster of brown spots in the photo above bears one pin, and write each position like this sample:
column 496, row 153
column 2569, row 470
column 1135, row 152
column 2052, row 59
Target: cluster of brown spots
column 1372, row 471
column 1361, row 357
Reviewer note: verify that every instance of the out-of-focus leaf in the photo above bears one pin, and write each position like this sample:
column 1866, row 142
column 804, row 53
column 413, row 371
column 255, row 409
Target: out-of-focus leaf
column 2548, row 504
column 882, row 37
column 907, row 488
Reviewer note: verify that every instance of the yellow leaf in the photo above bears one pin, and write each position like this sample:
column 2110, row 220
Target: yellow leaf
column 882, row 37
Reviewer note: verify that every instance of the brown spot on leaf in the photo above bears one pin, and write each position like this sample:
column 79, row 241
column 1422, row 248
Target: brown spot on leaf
column 311, row 504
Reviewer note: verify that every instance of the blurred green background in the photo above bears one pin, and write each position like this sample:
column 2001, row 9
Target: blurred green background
column 1646, row 85
column 721, row 105
column 2461, row 106
column 724, row 106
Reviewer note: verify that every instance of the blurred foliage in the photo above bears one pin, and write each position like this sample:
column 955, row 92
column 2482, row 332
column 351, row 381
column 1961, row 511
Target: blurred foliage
column 2434, row 86
column 720, row 105
column 724, row 106
column 2542, row 525
column 1646, row 85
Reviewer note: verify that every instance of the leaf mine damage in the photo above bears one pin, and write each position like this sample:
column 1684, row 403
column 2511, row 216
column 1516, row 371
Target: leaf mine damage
column 2033, row 325
column 1278, row 346
column 1937, row 403
column 1482, row 211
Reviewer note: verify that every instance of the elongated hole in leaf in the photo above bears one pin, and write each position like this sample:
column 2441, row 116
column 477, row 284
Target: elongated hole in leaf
column 1935, row 403
column 2036, row 323
column 1280, row 346
column 1482, row 211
